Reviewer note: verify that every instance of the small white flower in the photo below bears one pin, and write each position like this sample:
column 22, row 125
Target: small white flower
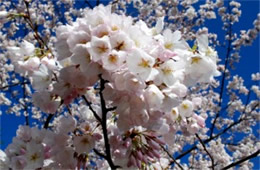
column 99, row 47
column 140, row 63
column 83, row 143
column 173, row 40
column 34, row 155
column 153, row 96
column 186, row 108
column 113, row 60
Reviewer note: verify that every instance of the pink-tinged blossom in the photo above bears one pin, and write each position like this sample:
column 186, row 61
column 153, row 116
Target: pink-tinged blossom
column 172, row 40
column 45, row 101
column 140, row 63
column 66, row 124
column 170, row 72
column 83, row 143
column 120, row 41
column 23, row 57
column 34, row 155
column 154, row 97
column 114, row 60
column 61, row 45
column 41, row 78
column 77, row 37
column 186, row 108
column 99, row 47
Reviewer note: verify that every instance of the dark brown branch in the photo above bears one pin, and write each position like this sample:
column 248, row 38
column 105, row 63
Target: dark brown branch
column 25, row 105
column 223, row 77
column 104, row 124
column 12, row 85
column 99, row 154
column 91, row 108
column 255, row 154
column 46, row 124
column 171, row 157
column 36, row 35
column 97, row 2
column 86, row 1
column 204, row 147
column 67, row 106
column 213, row 137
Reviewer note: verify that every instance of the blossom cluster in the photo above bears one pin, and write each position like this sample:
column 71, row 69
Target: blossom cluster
column 148, row 72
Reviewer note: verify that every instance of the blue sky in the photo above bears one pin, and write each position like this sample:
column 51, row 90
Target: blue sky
column 249, row 63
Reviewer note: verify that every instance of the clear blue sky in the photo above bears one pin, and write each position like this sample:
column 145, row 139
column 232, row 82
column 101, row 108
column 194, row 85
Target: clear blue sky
column 249, row 64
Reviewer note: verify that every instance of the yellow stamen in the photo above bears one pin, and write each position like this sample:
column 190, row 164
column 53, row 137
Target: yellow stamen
column 168, row 45
column 144, row 63
column 195, row 60
column 112, row 58
column 102, row 49
column 167, row 70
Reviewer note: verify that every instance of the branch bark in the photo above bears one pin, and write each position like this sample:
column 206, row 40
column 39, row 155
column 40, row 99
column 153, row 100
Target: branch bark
column 204, row 147
column 255, row 154
column 104, row 124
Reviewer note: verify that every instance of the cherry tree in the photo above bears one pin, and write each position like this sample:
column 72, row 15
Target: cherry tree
column 126, row 85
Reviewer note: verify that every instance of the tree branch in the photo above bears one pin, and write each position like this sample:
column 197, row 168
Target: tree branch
column 255, row 154
column 46, row 124
column 204, row 147
column 86, row 1
column 99, row 153
column 25, row 105
column 223, row 77
column 91, row 108
column 170, row 156
column 34, row 28
column 12, row 85
column 104, row 124
column 213, row 137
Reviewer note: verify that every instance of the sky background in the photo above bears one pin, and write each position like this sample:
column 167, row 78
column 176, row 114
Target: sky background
column 249, row 63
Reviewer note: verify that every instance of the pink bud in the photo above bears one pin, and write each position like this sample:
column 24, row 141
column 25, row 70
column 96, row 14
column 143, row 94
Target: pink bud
column 22, row 151
column 144, row 159
column 153, row 144
column 132, row 160
column 97, row 136
column 156, row 153
column 139, row 155
column 150, row 154
column 200, row 120
column 159, row 140
column 128, row 142
column 139, row 163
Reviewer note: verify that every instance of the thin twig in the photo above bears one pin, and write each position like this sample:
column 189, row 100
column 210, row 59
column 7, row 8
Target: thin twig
column 204, row 147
